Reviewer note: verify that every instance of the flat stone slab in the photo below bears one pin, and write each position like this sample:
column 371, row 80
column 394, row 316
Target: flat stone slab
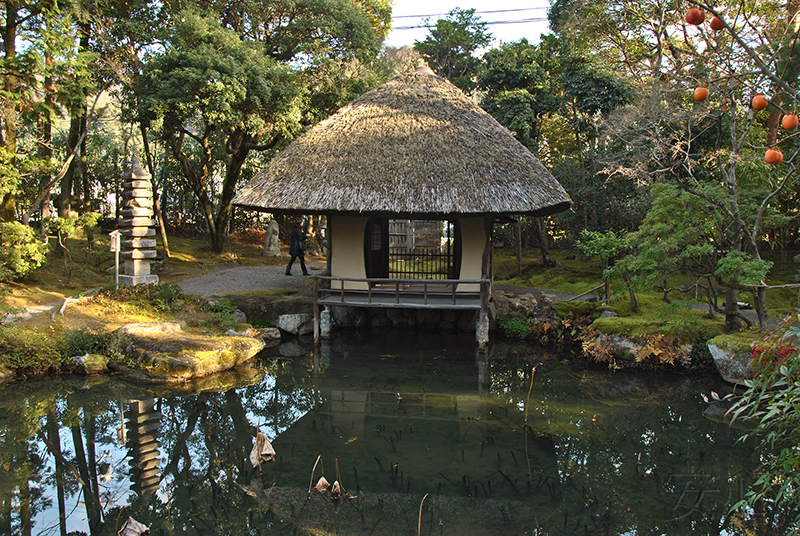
column 162, row 352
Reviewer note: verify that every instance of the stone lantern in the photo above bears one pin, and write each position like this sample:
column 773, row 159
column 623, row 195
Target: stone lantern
column 137, row 226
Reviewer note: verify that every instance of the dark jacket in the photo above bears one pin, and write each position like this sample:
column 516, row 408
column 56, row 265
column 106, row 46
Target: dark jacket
column 295, row 238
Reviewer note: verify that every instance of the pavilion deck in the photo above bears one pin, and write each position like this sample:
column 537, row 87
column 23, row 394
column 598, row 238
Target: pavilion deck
column 400, row 294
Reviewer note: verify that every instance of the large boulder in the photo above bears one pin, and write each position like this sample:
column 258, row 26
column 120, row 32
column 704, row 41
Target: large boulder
column 533, row 305
column 733, row 364
column 163, row 352
column 349, row 317
column 296, row 324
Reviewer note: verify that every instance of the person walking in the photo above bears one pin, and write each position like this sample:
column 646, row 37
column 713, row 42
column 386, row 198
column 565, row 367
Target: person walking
column 297, row 246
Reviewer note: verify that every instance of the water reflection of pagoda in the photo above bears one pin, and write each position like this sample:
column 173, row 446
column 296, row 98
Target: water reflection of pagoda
column 143, row 422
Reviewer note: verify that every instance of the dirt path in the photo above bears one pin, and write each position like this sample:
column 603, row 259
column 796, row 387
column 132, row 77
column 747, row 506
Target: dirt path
column 246, row 278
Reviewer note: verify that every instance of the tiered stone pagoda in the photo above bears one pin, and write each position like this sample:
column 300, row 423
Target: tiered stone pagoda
column 143, row 433
column 137, row 226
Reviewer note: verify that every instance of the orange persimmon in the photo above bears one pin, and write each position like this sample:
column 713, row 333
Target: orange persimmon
column 790, row 122
column 695, row 16
column 760, row 102
column 701, row 94
column 773, row 156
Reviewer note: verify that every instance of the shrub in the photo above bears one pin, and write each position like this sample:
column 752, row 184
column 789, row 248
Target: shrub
column 33, row 348
column 21, row 251
column 82, row 342
column 771, row 400
column 515, row 327
column 163, row 296
column 222, row 314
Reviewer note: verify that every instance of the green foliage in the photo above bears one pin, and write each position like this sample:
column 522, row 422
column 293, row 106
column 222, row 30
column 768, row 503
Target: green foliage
column 451, row 45
column 515, row 327
column 165, row 295
column 222, row 314
column 592, row 90
column 31, row 348
column 83, row 341
column 771, row 400
column 605, row 245
column 21, row 251
column 162, row 297
column 209, row 73
column 680, row 320
column 518, row 83
column 743, row 267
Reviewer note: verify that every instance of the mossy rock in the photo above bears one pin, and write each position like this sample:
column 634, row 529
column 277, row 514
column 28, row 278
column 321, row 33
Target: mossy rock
column 732, row 355
column 162, row 352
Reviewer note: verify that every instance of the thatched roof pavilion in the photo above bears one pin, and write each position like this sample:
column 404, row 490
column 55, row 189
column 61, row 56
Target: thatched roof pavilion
column 415, row 145
column 411, row 150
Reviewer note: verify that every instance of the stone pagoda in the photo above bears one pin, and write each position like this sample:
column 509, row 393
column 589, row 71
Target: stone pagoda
column 137, row 226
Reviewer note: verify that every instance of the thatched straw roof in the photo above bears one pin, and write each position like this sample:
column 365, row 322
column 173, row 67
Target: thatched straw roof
column 415, row 145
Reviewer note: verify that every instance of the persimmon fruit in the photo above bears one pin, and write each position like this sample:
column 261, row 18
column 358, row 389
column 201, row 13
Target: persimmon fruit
column 695, row 16
column 760, row 102
column 773, row 156
column 717, row 24
column 790, row 122
column 701, row 94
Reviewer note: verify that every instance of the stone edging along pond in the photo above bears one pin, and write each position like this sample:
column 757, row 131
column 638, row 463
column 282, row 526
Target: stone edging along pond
column 166, row 352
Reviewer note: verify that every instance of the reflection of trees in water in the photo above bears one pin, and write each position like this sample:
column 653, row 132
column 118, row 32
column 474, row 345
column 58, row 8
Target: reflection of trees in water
column 633, row 453
column 614, row 454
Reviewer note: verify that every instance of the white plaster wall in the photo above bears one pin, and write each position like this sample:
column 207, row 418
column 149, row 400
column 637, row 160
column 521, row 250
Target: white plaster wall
column 473, row 241
column 347, row 249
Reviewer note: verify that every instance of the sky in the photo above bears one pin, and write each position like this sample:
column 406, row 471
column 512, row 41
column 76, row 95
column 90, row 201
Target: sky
column 509, row 20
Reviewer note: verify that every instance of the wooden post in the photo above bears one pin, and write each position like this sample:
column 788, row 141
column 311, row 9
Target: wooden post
column 482, row 325
column 316, row 310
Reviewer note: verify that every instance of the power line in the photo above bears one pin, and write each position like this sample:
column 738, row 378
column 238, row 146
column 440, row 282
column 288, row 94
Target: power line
column 518, row 21
column 477, row 13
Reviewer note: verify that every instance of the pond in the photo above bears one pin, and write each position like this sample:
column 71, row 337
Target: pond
column 424, row 435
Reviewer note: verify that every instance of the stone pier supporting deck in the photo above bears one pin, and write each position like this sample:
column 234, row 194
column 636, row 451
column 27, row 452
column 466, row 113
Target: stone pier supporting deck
column 137, row 226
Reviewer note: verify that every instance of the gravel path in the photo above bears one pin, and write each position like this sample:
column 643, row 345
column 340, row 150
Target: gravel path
column 242, row 279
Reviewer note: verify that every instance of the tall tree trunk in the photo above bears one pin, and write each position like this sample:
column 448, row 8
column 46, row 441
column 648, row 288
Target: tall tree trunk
column 65, row 199
column 760, row 305
column 156, row 202
column 626, row 276
column 71, row 182
column 239, row 145
column 7, row 204
column 197, row 182
column 544, row 246
column 732, row 320
column 45, row 152
column 518, row 245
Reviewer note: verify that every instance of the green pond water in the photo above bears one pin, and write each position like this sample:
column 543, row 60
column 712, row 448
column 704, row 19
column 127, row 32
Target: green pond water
column 394, row 418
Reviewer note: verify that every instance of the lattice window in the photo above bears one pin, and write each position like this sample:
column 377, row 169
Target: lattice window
column 422, row 249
